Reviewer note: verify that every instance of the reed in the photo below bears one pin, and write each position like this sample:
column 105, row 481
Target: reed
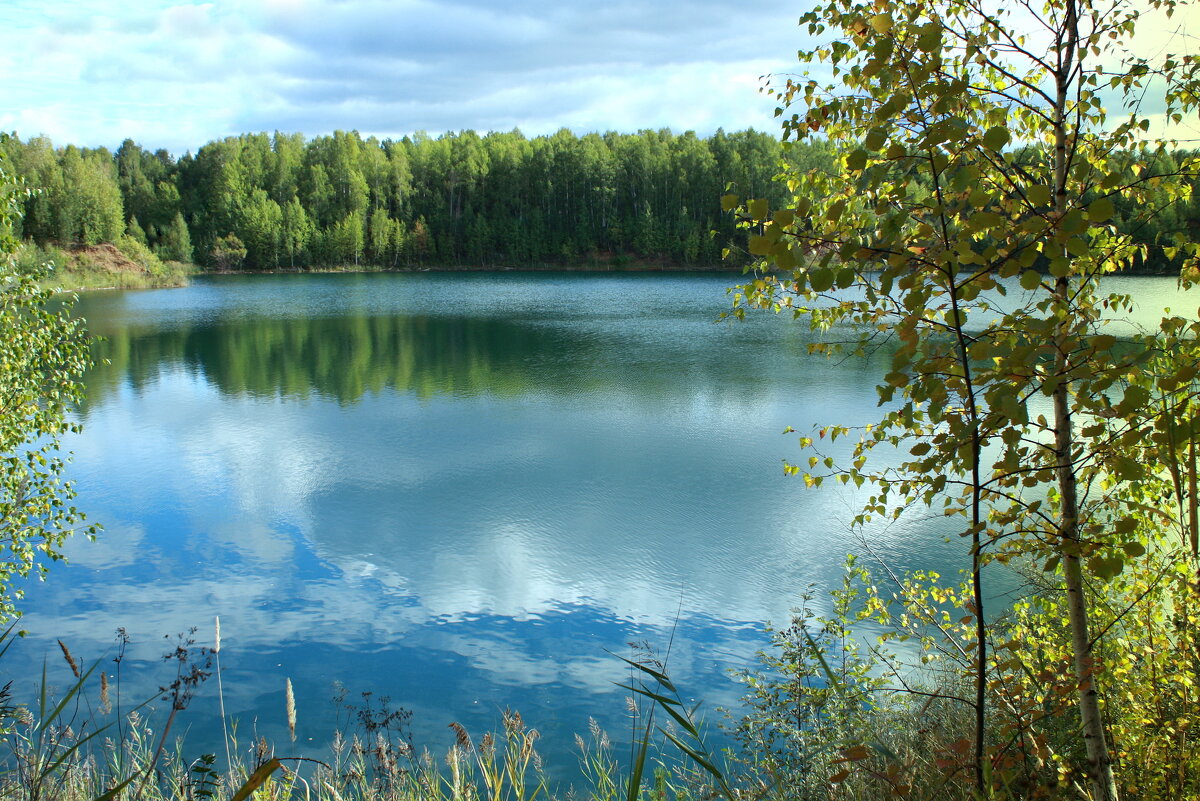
column 80, row 748
column 221, row 691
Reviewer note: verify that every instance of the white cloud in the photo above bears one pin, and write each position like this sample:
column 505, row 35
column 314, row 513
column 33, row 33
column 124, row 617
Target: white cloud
column 177, row 75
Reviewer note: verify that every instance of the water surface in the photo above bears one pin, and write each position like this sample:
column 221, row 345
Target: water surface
column 462, row 491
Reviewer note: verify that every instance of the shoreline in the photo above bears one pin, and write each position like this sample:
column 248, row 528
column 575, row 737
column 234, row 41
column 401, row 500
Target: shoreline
column 589, row 267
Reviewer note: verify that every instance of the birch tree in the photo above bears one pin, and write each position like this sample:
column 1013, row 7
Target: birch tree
column 971, row 219
column 43, row 353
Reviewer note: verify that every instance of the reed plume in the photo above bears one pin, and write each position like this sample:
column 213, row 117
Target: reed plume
column 291, row 711
column 221, row 692
column 461, row 736
column 70, row 659
column 105, row 702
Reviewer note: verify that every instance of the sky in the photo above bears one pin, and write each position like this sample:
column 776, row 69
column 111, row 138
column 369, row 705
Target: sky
column 177, row 75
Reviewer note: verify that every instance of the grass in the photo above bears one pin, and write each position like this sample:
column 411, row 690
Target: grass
column 124, row 265
column 82, row 746
column 828, row 717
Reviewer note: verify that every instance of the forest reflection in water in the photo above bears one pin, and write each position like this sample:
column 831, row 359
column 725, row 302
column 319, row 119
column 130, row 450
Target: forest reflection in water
column 461, row 491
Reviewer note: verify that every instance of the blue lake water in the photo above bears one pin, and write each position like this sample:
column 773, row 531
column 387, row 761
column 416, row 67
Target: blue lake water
column 462, row 491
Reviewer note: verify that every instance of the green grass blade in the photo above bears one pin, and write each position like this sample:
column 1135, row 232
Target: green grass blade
column 47, row 720
column 657, row 675
column 703, row 761
column 834, row 681
column 6, row 638
column 635, row 774
column 662, row 699
column 685, row 722
column 112, row 794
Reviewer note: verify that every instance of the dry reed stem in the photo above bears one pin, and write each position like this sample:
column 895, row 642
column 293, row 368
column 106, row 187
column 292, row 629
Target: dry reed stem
column 291, row 711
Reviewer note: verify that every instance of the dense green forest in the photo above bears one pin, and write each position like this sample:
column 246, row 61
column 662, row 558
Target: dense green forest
column 261, row 202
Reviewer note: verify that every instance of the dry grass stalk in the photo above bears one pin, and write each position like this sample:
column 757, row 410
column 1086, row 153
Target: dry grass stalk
column 70, row 659
column 105, row 701
column 461, row 736
column 291, row 711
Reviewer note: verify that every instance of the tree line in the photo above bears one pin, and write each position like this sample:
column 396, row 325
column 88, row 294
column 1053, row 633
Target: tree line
column 261, row 202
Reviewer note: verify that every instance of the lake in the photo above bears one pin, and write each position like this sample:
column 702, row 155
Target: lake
column 467, row 492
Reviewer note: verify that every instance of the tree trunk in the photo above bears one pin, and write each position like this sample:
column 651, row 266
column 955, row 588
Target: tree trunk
column 1104, row 787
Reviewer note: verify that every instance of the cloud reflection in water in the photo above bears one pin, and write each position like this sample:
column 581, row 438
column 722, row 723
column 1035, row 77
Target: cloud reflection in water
column 461, row 491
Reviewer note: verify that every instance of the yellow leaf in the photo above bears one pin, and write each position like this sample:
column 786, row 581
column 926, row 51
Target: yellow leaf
column 882, row 23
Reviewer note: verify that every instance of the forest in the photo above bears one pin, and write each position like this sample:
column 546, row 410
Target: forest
column 261, row 202
column 458, row 200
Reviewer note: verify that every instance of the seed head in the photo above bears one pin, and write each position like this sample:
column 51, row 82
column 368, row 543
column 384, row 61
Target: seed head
column 291, row 711
column 70, row 659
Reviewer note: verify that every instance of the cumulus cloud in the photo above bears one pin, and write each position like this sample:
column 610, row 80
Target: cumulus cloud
column 178, row 74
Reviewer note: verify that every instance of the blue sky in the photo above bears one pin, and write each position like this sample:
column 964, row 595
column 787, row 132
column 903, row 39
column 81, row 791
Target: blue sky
column 179, row 74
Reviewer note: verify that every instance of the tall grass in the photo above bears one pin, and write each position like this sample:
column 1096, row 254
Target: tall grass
column 828, row 716
column 80, row 746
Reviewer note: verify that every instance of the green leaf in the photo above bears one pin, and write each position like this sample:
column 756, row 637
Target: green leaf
column 821, row 279
column 930, row 38
column 984, row 220
column 1106, row 567
column 875, row 139
column 1039, row 195
column 1135, row 398
column 1031, row 280
column 758, row 208
column 729, row 202
column 996, row 137
column 1100, row 210
column 1133, row 549
column 1127, row 469
column 1072, row 221
column 856, row 161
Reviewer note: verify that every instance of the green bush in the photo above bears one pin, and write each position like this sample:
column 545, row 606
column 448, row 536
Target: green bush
column 141, row 255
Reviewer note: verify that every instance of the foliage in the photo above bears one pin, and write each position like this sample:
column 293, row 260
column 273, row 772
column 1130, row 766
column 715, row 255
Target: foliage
column 177, row 241
column 798, row 719
column 872, row 727
column 43, row 353
column 454, row 200
column 976, row 163
column 228, row 252
column 140, row 254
